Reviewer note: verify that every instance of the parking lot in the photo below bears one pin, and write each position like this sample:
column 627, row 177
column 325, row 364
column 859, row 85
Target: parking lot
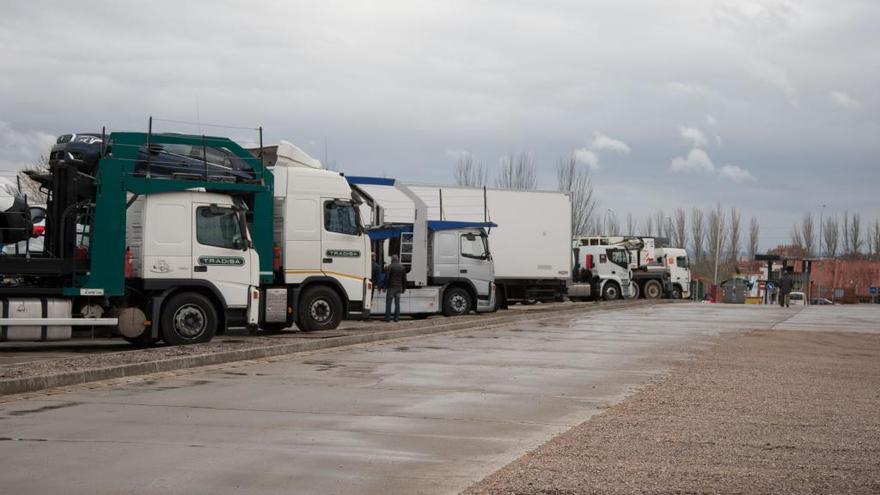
column 423, row 415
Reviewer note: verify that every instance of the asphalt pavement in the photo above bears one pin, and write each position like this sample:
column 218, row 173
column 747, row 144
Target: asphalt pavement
column 423, row 415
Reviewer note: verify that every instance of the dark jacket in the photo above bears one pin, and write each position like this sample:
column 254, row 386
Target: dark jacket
column 374, row 276
column 785, row 284
column 395, row 277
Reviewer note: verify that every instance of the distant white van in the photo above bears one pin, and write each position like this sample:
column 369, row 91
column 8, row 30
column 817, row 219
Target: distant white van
column 797, row 299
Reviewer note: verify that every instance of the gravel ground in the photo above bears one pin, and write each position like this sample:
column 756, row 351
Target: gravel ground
column 762, row 412
column 86, row 361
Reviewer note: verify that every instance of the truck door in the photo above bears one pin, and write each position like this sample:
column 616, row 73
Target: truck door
column 475, row 262
column 220, row 253
column 343, row 254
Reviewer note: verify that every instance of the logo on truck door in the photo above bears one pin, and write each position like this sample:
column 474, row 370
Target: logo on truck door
column 221, row 260
column 343, row 253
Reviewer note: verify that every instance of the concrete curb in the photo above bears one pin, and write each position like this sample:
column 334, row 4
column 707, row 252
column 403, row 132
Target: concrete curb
column 32, row 384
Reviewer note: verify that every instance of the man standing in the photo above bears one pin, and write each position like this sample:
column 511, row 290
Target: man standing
column 374, row 275
column 395, row 285
column 785, row 286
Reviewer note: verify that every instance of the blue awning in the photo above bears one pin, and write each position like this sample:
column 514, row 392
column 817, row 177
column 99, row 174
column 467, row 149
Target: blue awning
column 383, row 233
column 369, row 181
column 452, row 225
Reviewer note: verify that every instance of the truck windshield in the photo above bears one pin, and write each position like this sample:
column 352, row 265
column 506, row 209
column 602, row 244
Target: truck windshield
column 218, row 227
column 619, row 257
column 474, row 246
column 682, row 261
column 341, row 217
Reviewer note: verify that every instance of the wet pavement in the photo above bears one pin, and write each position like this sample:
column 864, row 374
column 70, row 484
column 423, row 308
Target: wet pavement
column 426, row 415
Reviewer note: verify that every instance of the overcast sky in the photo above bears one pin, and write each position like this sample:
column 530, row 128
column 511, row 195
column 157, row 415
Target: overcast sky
column 769, row 106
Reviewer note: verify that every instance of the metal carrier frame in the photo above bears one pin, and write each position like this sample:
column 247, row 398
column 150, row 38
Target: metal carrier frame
column 102, row 273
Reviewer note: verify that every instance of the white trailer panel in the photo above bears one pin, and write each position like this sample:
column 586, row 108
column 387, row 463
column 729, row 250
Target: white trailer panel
column 533, row 237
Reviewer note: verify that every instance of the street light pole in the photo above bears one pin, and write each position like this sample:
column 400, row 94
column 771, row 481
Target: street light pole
column 717, row 248
column 821, row 243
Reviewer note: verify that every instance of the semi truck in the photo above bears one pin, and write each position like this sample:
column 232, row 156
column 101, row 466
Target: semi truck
column 656, row 271
column 450, row 268
column 530, row 241
column 600, row 272
column 176, row 238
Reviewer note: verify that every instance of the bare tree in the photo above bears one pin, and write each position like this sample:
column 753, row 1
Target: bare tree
column 660, row 223
column 631, row 224
column 575, row 179
column 875, row 234
column 797, row 239
column 808, row 234
column 716, row 235
column 754, row 232
column 734, row 234
column 680, row 230
column 847, row 245
column 855, row 234
column 830, row 235
column 517, row 172
column 649, row 226
column 29, row 188
column 698, row 234
column 469, row 173
column 612, row 226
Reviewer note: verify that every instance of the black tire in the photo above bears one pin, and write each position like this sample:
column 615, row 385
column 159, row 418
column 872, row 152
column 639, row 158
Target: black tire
column 611, row 291
column 501, row 298
column 188, row 318
column 653, row 289
column 676, row 293
column 635, row 289
column 456, row 302
column 320, row 308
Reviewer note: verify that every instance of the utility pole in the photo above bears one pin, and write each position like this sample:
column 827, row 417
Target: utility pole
column 717, row 248
column 821, row 243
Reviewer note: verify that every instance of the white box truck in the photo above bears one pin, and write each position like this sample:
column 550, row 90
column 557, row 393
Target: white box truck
column 449, row 262
column 530, row 244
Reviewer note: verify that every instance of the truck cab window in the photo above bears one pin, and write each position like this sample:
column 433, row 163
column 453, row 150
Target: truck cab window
column 474, row 246
column 682, row 261
column 218, row 227
column 341, row 217
column 619, row 257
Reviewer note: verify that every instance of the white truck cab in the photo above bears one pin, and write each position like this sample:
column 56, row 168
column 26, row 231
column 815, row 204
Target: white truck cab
column 322, row 252
column 678, row 265
column 600, row 271
column 198, row 241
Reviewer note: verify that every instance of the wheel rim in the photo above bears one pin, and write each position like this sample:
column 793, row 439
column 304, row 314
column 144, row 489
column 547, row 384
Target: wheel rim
column 321, row 311
column 612, row 292
column 458, row 303
column 652, row 291
column 190, row 321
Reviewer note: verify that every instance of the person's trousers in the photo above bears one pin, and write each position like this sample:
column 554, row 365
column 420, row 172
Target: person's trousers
column 392, row 295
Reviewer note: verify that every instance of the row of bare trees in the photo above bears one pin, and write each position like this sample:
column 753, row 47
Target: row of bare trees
column 833, row 237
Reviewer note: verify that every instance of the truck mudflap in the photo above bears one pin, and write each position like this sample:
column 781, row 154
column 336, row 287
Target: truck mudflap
column 253, row 308
column 488, row 304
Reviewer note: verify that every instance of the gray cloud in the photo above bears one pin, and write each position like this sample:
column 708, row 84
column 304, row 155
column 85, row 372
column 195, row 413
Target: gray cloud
column 393, row 85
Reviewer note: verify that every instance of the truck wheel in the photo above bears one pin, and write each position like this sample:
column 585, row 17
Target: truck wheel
column 320, row 309
column 611, row 291
column 456, row 301
column 653, row 289
column 188, row 318
column 676, row 293
column 635, row 290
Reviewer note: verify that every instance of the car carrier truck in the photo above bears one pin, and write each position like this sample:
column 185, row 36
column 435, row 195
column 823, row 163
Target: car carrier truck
column 450, row 268
column 174, row 237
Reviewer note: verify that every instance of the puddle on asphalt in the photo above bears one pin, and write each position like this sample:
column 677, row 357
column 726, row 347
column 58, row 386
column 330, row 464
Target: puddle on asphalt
column 324, row 365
